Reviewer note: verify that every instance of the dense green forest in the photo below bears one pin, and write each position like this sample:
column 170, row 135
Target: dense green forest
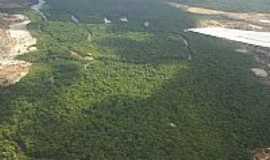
column 138, row 96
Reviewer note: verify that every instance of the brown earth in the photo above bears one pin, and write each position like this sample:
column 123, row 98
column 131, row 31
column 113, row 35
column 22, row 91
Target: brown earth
column 261, row 154
column 13, row 72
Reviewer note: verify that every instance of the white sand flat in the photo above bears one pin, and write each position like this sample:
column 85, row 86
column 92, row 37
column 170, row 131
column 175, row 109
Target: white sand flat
column 261, row 39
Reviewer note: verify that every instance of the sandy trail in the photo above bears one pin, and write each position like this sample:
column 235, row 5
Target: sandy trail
column 265, row 21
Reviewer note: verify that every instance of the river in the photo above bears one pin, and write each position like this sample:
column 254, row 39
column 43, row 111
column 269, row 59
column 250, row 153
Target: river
column 37, row 7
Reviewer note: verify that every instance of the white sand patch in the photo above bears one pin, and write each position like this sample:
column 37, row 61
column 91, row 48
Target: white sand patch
column 22, row 37
column 259, row 72
column 107, row 21
column 124, row 19
column 255, row 26
column 249, row 37
column 146, row 24
column 172, row 125
column 264, row 21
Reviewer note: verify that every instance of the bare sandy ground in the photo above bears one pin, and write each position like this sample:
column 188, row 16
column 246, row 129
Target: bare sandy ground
column 261, row 39
column 22, row 37
column 20, row 41
column 195, row 10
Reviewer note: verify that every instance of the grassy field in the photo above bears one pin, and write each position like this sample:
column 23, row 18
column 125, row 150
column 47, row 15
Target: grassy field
column 140, row 98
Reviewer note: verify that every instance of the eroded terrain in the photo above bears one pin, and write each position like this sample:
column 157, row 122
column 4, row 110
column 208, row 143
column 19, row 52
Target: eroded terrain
column 15, row 40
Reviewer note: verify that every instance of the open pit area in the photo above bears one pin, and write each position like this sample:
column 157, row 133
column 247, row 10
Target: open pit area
column 15, row 40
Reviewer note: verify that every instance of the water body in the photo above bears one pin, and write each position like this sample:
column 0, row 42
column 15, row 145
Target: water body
column 37, row 7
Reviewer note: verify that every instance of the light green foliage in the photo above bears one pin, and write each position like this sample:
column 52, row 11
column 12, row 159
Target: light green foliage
column 7, row 150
